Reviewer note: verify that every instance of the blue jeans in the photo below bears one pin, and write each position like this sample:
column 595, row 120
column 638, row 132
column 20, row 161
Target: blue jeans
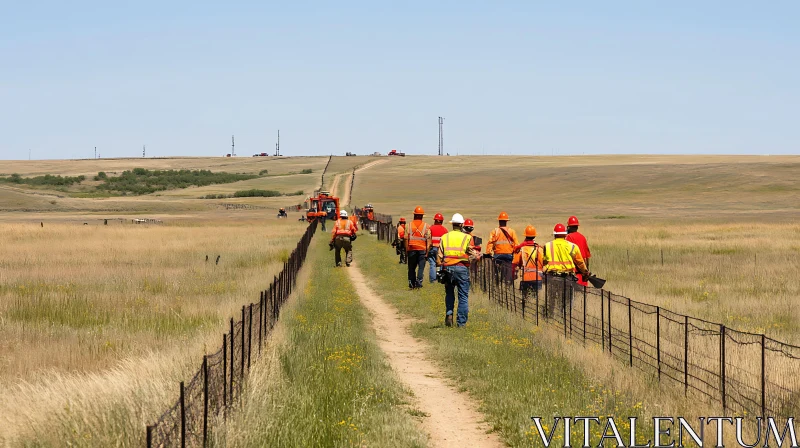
column 459, row 278
column 432, row 264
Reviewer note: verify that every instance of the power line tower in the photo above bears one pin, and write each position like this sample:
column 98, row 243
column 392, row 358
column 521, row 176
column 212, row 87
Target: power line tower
column 95, row 152
column 278, row 145
column 144, row 148
column 441, row 136
column 233, row 146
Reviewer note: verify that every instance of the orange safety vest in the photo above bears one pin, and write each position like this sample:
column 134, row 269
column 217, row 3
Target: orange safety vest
column 531, row 263
column 502, row 244
column 344, row 227
column 416, row 236
column 401, row 231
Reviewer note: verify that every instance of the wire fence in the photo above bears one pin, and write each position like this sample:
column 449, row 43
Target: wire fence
column 380, row 222
column 747, row 373
column 217, row 386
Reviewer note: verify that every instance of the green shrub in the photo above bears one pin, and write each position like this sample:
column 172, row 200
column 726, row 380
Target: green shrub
column 47, row 179
column 306, row 171
column 263, row 173
column 256, row 193
column 143, row 181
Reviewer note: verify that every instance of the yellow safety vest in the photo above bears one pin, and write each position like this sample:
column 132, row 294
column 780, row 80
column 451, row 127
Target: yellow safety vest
column 454, row 248
column 558, row 255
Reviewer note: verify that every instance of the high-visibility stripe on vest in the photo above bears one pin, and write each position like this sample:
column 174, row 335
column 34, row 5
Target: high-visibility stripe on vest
column 558, row 254
column 531, row 262
column 502, row 245
column 454, row 248
column 343, row 227
column 416, row 236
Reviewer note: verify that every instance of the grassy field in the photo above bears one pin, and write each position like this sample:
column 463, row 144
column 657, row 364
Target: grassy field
column 328, row 384
column 727, row 225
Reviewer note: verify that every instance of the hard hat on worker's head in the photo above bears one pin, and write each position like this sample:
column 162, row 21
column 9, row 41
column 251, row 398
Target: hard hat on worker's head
column 468, row 223
column 559, row 229
column 573, row 221
column 503, row 216
column 343, row 214
column 457, row 219
column 438, row 217
column 402, row 219
column 419, row 211
column 530, row 231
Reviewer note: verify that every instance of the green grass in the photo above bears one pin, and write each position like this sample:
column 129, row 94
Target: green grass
column 500, row 360
column 330, row 385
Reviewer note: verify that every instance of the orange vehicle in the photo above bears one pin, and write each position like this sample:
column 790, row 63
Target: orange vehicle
column 322, row 205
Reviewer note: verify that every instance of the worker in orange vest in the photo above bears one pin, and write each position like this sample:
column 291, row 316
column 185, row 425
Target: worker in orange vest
column 354, row 219
column 528, row 262
column 342, row 236
column 502, row 242
column 399, row 238
column 575, row 237
column 417, row 244
column 437, row 231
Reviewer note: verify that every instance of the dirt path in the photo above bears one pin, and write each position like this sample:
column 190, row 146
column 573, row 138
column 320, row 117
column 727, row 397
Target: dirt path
column 452, row 419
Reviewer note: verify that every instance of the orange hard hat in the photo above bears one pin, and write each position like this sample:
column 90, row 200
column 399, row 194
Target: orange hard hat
column 419, row 211
column 468, row 223
column 559, row 229
column 438, row 217
column 402, row 219
column 503, row 216
column 573, row 221
column 530, row 231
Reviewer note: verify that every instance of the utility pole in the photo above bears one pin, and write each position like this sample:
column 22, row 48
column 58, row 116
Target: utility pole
column 441, row 136
column 233, row 146
column 144, row 149
column 278, row 145
column 95, row 152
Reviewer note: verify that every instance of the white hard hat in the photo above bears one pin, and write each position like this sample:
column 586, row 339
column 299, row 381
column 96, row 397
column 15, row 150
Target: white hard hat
column 457, row 219
column 343, row 214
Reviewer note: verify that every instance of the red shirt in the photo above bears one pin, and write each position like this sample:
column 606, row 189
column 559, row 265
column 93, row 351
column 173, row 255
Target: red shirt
column 579, row 240
column 437, row 231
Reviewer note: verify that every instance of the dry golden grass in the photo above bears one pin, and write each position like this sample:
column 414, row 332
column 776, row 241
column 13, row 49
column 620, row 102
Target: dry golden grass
column 106, row 311
column 727, row 225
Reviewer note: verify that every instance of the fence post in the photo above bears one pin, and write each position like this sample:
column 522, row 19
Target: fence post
column 260, row 320
column 249, row 336
column 603, row 318
column 722, row 366
column 149, row 437
column 241, row 372
column 763, row 379
column 537, row 305
column 224, row 375
column 233, row 364
column 183, row 417
column 205, row 400
column 686, row 356
column 584, row 314
column 610, row 334
column 658, row 341
column 564, row 304
column 630, row 331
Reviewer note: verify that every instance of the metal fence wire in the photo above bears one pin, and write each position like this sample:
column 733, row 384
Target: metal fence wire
column 747, row 373
column 217, row 386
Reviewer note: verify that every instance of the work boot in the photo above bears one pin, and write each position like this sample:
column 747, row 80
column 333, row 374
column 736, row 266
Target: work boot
column 448, row 320
column 338, row 265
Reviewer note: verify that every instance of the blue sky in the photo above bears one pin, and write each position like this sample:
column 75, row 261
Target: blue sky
column 509, row 77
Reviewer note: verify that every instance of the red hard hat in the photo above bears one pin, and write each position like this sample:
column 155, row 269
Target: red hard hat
column 468, row 223
column 438, row 217
column 573, row 221
column 419, row 211
column 402, row 219
column 559, row 229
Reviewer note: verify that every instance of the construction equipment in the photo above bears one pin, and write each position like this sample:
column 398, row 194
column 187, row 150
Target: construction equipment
column 394, row 152
column 323, row 204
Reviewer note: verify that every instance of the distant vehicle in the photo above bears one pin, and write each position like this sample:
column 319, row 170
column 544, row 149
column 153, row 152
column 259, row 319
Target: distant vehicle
column 321, row 205
column 350, row 153
column 227, row 155
column 394, row 152
column 263, row 154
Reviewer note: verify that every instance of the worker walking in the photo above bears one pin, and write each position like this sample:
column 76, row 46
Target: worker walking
column 399, row 238
column 453, row 259
column 417, row 245
column 502, row 242
column 437, row 230
column 573, row 236
column 342, row 236
column 528, row 261
column 561, row 259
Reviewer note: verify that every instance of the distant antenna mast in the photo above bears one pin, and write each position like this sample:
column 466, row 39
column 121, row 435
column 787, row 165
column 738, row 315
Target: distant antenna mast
column 144, row 149
column 278, row 145
column 95, row 152
column 441, row 136
column 233, row 146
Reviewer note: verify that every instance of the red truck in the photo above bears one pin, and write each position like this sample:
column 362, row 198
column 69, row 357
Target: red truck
column 395, row 153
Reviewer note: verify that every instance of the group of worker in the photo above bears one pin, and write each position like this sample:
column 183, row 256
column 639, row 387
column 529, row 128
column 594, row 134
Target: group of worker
column 449, row 255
